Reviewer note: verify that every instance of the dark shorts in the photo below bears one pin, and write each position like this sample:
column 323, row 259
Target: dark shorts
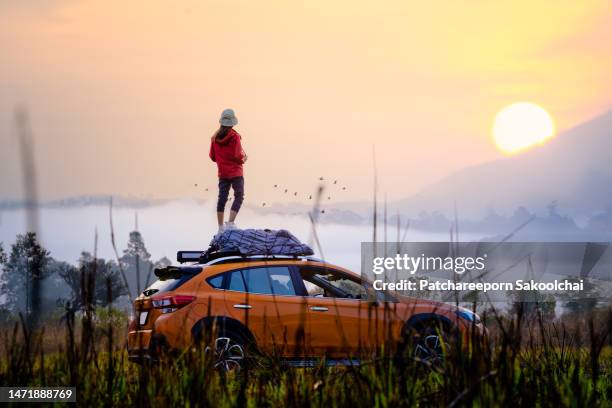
column 237, row 183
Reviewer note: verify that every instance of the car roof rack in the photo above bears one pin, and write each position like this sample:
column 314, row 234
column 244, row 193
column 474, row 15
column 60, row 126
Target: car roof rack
column 197, row 257
column 254, row 258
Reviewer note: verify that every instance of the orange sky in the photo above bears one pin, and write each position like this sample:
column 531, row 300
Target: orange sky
column 124, row 95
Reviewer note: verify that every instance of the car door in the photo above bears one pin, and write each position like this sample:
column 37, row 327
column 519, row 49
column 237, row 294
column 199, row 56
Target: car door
column 342, row 322
column 264, row 299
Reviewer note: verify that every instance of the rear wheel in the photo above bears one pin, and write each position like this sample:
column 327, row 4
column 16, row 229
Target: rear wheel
column 227, row 351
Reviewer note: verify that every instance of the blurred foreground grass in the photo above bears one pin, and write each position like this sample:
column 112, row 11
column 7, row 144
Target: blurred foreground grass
column 539, row 365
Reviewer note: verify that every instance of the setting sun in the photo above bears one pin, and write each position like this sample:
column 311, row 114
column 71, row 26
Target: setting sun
column 520, row 126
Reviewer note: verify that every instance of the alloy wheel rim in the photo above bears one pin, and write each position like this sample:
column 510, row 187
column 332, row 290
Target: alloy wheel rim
column 431, row 349
column 228, row 354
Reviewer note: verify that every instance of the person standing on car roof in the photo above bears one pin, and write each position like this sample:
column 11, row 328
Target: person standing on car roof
column 226, row 150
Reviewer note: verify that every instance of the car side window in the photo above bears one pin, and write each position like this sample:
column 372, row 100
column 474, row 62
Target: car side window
column 280, row 280
column 257, row 281
column 266, row 281
column 351, row 288
column 328, row 283
column 236, row 282
column 312, row 289
column 216, row 281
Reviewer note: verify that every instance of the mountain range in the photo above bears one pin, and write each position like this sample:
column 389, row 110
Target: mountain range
column 573, row 171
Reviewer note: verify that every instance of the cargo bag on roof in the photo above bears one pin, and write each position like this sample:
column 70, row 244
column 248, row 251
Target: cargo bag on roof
column 250, row 242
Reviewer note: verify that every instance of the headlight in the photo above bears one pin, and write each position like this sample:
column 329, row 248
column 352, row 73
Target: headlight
column 469, row 316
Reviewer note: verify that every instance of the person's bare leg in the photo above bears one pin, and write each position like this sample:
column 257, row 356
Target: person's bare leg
column 220, row 218
column 233, row 215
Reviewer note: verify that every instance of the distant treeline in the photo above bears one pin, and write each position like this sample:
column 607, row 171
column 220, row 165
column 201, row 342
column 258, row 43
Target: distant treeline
column 83, row 201
column 63, row 284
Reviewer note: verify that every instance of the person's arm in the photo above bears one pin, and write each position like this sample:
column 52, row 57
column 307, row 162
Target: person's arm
column 238, row 155
column 211, row 154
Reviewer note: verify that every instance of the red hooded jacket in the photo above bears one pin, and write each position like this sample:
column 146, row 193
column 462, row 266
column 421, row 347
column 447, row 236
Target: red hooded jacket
column 228, row 154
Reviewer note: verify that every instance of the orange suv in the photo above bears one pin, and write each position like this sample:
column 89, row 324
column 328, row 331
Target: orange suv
column 298, row 308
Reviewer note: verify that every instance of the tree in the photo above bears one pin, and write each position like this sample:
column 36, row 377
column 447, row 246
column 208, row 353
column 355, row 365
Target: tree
column 89, row 282
column 27, row 262
column 3, row 258
column 4, row 313
column 136, row 247
column 163, row 262
column 136, row 261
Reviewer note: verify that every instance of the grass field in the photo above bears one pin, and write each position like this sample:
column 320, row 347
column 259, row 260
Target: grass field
column 562, row 363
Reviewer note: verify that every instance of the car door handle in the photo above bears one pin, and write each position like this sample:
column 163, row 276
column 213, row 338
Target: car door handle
column 319, row 309
column 243, row 306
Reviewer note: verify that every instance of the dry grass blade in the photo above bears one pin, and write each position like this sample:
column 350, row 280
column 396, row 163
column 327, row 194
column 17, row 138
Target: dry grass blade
column 112, row 234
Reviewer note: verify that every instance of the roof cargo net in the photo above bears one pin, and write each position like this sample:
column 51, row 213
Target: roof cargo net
column 251, row 242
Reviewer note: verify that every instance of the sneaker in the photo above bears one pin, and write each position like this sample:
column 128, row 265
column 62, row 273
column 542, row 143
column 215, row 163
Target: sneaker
column 229, row 226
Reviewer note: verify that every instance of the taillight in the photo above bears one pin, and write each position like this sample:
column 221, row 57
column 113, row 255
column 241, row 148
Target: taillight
column 169, row 304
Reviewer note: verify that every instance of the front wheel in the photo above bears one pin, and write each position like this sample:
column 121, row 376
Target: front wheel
column 431, row 346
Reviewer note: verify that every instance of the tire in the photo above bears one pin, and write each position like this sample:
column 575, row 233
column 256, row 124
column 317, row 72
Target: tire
column 228, row 351
column 431, row 345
